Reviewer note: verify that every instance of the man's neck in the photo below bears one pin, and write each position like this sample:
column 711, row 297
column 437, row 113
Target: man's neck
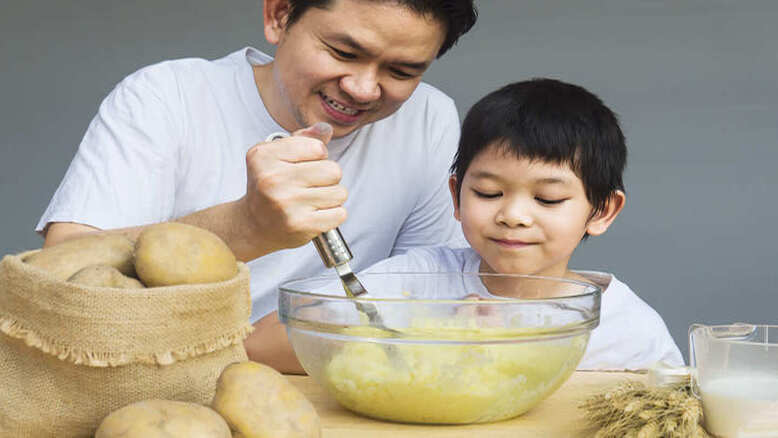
column 268, row 91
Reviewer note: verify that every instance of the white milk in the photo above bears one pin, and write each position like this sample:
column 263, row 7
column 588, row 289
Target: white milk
column 741, row 406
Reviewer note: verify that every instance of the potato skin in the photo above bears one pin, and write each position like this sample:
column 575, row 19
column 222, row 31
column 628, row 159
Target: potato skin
column 66, row 258
column 104, row 276
column 163, row 419
column 258, row 402
column 173, row 253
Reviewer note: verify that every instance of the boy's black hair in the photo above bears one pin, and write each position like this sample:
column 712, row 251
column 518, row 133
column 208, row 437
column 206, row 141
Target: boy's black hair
column 459, row 16
column 552, row 121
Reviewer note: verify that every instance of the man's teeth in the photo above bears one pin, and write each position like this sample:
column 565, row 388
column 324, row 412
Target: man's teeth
column 339, row 107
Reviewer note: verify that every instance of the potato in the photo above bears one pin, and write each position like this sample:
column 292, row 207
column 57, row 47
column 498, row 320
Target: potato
column 66, row 258
column 258, row 402
column 163, row 419
column 172, row 253
column 104, row 276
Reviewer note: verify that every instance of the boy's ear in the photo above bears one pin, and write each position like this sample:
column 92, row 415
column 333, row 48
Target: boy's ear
column 600, row 222
column 452, row 187
column 274, row 15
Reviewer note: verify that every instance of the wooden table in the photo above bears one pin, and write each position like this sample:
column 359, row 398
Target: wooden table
column 556, row 416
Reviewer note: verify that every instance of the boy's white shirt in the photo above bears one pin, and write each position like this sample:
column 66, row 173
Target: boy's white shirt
column 631, row 334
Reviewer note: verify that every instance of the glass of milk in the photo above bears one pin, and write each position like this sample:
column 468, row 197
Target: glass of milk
column 736, row 377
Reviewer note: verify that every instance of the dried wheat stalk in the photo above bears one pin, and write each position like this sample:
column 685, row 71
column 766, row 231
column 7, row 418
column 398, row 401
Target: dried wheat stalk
column 633, row 410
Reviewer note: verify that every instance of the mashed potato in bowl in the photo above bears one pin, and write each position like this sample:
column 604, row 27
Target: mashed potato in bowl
column 447, row 358
column 449, row 383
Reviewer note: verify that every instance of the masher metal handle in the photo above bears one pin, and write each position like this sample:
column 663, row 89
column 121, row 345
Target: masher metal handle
column 332, row 248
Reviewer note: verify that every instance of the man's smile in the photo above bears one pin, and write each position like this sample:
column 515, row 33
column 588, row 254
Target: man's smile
column 339, row 111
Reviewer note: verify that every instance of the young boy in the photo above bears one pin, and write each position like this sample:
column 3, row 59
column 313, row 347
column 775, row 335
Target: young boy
column 538, row 169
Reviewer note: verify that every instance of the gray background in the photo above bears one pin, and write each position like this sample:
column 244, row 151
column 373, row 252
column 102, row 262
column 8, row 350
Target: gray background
column 694, row 83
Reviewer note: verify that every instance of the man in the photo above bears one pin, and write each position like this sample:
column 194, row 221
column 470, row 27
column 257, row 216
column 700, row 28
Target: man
column 183, row 141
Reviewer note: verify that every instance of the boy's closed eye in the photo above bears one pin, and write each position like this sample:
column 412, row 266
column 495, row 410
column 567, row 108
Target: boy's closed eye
column 546, row 201
column 494, row 195
column 487, row 194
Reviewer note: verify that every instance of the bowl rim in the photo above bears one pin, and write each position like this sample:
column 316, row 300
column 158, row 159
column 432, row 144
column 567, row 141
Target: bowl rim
column 594, row 290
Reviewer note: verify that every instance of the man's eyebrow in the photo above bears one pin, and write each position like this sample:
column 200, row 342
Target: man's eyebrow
column 352, row 43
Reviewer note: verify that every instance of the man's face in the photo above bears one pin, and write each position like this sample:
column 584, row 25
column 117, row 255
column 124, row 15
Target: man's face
column 351, row 64
column 521, row 216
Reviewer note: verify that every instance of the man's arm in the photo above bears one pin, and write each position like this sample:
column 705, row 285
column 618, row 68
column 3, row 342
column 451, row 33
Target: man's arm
column 230, row 221
column 292, row 194
column 269, row 344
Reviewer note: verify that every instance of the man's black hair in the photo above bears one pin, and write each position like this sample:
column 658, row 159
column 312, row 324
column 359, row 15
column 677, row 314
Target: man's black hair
column 458, row 15
column 550, row 121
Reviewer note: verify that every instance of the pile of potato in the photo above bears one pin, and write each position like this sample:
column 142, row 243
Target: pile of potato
column 164, row 255
column 252, row 401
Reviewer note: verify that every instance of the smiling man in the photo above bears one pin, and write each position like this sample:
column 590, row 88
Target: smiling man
column 183, row 141
column 353, row 63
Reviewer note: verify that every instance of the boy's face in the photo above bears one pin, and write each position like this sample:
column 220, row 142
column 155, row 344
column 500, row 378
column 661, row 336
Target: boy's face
column 524, row 217
column 348, row 65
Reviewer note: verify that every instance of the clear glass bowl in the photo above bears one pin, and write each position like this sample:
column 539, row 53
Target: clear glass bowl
column 456, row 353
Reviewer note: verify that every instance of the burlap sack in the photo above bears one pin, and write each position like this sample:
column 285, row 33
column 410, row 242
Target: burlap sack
column 70, row 354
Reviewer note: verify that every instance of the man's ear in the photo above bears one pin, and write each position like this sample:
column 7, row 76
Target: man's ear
column 275, row 14
column 602, row 220
column 452, row 187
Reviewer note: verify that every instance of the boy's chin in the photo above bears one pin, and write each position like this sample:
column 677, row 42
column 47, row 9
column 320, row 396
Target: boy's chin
column 508, row 269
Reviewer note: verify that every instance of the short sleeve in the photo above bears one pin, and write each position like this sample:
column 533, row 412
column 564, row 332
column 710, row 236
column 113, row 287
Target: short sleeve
column 123, row 173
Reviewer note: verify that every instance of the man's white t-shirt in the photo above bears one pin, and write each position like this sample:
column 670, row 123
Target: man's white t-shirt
column 171, row 139
column 631, row 335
